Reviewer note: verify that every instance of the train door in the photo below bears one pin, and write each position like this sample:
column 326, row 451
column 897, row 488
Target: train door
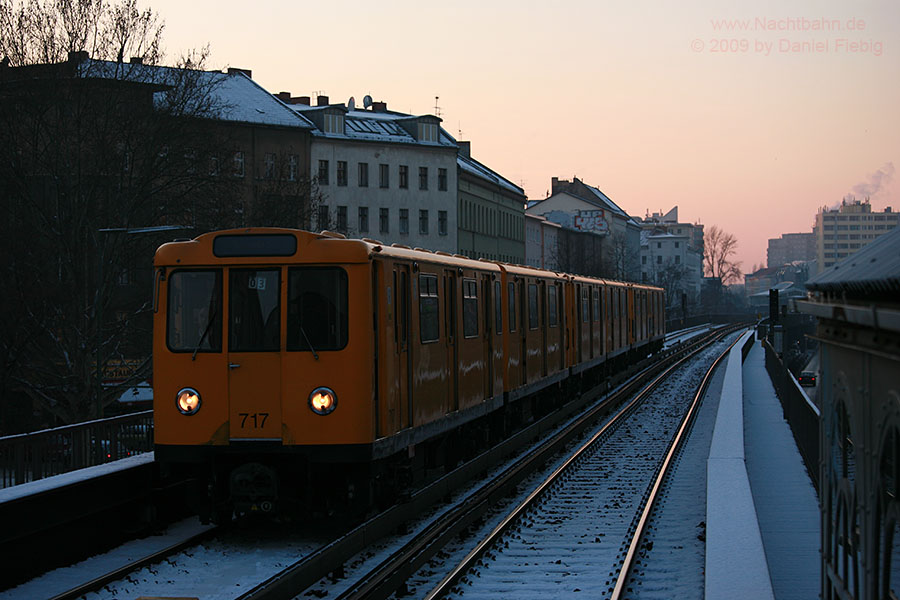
column 542, row 311
column 524, row 328
column 401, row 335
column 488, row 339
column 579, row 325
column 451, row 339
column 254, row 353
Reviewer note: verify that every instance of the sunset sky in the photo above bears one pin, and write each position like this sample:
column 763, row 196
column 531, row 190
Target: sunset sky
column 746, row 115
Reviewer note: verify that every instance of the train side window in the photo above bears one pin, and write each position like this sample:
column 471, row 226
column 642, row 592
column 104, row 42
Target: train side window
column 429, row 311
column 532, row 306
column 470, row 308
column 498, row 309
column 194, row 318
column 511, row 290
column 585, row 306
column 551, row 305
column 254, row 310
column 317, row 309
column 596, row 305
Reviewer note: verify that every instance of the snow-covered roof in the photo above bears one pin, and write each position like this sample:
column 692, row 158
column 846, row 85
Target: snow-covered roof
column 234, row 96
column 470, row 165
column 372, row 126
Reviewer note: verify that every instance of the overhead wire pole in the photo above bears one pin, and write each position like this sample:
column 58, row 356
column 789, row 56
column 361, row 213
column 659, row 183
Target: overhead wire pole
column 98, row 299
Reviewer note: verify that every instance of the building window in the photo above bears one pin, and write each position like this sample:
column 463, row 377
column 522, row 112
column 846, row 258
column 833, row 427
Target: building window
column 404, row 220
column 428, row 132
column 423, row 178
column 270, row 165
column 384, row 176
column 643, row 260
column 442, row 180
column 423, row 221
column 334, row 123
column 384, row 220
column 214, row 166
column 342, row 172
column 342, row 219
column 364, row 219
column 323, row 217
column 363, row 174
column 659, row 260
column 677, row 244
column 677, row 260
column 442, row 222
column 239, row 164
column 659, row 244
column 404, row 177
column 323, row 172
column 292, row 167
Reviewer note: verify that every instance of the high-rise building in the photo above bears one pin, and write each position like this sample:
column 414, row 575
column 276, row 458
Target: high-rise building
column 842, row 231
column 790, row 248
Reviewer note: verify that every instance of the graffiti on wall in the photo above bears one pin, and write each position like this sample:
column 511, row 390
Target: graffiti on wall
column 593, row 221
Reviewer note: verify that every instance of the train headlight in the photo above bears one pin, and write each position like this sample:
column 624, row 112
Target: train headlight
column 188, row 401
column 322, row 401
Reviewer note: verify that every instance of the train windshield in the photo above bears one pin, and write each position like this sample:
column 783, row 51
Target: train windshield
column 194, row 322
column 254, row 310
column 317, row 309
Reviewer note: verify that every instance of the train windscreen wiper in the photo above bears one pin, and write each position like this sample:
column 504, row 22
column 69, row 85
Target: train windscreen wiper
column 308, row 343
column 212, row 319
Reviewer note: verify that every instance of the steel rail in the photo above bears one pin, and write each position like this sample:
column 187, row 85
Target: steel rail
column 392, row 572
column 674, row 448
column 116, row 574
column 445, row 586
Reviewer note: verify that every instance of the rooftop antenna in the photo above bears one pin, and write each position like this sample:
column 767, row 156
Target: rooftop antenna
column 437, row 109
column 459, row 129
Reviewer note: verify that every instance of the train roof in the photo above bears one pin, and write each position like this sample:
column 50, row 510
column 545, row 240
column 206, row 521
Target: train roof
column 871, row 273
column 252, row 244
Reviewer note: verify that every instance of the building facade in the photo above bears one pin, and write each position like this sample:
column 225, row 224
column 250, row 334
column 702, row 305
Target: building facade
column 672, row 256
column 585, row 210
column 381, row 174
column 791, row 247
column 491, row 212
column 842, row 231
column 541, row 242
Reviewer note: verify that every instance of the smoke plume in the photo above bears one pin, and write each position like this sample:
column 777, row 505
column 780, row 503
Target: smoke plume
column 876, row 183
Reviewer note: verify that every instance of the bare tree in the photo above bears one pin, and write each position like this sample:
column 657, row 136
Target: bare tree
column 719, row 247
column 90, row 153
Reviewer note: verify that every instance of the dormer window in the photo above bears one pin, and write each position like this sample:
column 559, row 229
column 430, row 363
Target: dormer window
column 428, row 132
column 334, row 123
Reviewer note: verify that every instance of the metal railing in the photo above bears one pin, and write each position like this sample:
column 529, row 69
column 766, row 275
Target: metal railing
column 32, row 456
column 801, row 414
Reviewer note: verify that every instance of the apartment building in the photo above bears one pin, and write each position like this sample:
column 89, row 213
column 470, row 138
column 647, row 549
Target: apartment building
column 843, row 230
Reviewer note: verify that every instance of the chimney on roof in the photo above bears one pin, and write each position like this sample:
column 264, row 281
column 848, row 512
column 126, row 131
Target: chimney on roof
column 321, row 100
column 554, row 184
column 300, row 100
column 137, row 60
column 235, row 71
column 465, row 149
column 379, row 107
column 284, row 97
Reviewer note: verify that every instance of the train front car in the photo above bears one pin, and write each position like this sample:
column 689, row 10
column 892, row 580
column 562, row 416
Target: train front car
column 255, row 334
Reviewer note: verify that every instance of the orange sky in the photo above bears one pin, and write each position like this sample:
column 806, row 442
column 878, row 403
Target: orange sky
column 747, row 115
